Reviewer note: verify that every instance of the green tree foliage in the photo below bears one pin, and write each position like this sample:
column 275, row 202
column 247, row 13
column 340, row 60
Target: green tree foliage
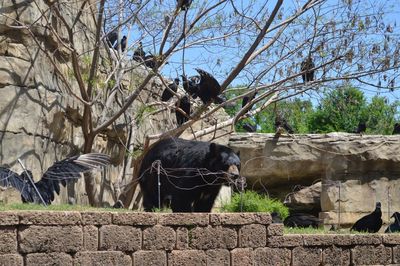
column 296, row 112
column 340, row 110
column 381, row 116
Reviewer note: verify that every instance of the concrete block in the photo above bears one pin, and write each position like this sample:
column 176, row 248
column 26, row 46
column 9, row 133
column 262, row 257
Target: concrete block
column 159, row 237
column 50, row 239
column 252, row 235
column 212, row 238
column 123, row 238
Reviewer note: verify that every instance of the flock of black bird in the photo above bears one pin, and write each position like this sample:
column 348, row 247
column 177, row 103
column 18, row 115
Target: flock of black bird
column 370, row 223
column 203, row 86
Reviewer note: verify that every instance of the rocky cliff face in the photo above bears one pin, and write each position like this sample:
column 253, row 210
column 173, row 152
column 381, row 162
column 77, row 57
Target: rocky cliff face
column 39, row 118
column 356, row 171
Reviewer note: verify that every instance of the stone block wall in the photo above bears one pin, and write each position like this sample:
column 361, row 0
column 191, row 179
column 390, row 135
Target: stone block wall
column 355, row 171
column 120, row 238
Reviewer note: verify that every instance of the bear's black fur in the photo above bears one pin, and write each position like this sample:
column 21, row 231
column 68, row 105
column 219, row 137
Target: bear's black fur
column 192, row 173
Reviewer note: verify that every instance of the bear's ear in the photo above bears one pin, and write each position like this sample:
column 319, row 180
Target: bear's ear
column 214, row 148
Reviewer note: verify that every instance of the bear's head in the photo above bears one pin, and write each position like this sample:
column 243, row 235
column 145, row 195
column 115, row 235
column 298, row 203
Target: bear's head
column 223, row 159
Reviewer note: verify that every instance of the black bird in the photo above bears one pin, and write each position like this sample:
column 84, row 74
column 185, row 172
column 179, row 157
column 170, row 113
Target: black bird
column 394, row 227
column 276, row 218
column 184, row 4
column 167, row 94
column 60, row 172
column 123, row 44
column 370, row 223
column 301, row 220
column 248, row 98
column 209, row 88
column 112, row 38
column 362, row 126
column 306, row 67
column 139, row 54
column 150, row 61
column 191, row 85
column 249, row 127
column 118, row 205
column 396, row 129
column 184, row 104
column 281, row 125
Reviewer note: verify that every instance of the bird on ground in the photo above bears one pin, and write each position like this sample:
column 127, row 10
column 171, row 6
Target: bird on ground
column 306, row 67
column 301, row 220
column 183, row 104
column 112, row 38
column 184, row 4
column 191, row 85
column 248, row 98
column 370, row 223
column 249, row 127
column 118, row 205
column 281, row 125
column 362, row 126
column 396, row 129
column 209, row 88
column 394, row 227
column 276, row 218
column 167, row 93
column 60, row 172
column 123, row 44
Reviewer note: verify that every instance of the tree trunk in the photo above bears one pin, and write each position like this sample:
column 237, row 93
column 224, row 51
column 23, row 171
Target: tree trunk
column 90, row 184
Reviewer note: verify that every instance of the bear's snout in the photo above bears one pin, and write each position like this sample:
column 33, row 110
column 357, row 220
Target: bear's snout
column 233, row 171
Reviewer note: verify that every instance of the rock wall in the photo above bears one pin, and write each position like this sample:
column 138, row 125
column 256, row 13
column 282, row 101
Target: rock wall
column 117, row 238
column 365, row 168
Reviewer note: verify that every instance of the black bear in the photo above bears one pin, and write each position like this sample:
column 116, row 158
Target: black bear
column 190, row 172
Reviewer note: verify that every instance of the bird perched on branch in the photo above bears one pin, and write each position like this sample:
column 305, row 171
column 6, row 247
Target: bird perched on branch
column 249, row 127
column 167, row 94
column 370, row 223
column 209, row 88
column 139, row 53
column 248, row 98
column 60, row 172
column 123, row 44
column 184, row 104
column 394, row 227
column 191, row 85
column 112, row 38
column 184, row 4
column 306, row 66
column 150, row 61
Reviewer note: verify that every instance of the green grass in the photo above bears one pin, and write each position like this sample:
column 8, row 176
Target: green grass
column 311, row 230
column 307, row 230
column 162, row 210
column 251, row 201
column 55, row 207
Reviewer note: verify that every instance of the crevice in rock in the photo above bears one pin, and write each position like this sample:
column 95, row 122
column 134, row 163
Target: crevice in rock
column 44, row 137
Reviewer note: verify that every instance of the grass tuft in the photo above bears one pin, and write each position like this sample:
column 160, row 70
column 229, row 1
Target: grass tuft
column 251, row 201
